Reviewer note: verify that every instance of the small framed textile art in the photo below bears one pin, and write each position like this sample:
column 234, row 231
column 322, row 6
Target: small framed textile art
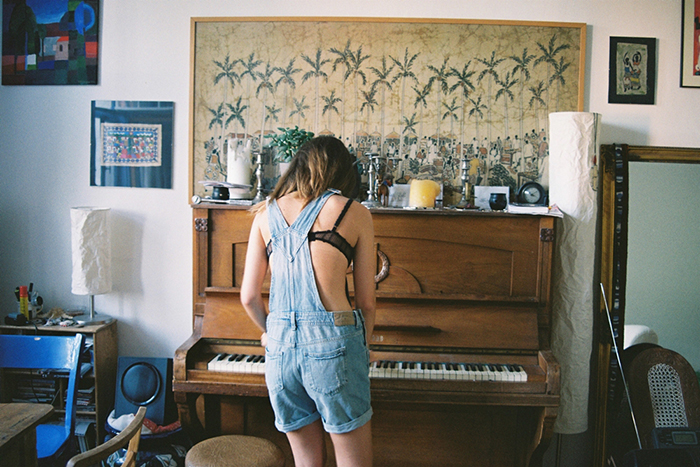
column 632, row 70
column 131, row 144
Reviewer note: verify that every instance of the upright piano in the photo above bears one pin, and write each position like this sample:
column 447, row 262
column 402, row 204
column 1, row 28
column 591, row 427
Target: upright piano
column 462, row 371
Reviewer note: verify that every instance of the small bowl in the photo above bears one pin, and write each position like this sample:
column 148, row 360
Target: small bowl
column 220, row 193
column 498, row 201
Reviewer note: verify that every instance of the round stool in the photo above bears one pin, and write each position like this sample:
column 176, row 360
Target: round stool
column 235, row 451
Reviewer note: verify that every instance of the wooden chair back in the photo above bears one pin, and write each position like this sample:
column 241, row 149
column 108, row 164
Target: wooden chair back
column 664, row 392
column 131, row 436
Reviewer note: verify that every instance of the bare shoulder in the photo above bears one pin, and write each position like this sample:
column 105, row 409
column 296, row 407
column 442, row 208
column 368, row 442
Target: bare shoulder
column 260, row 223
column 360, row 213
column 357, row 211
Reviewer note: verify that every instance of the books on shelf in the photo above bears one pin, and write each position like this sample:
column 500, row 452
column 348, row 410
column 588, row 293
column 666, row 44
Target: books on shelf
column 535, row 209
column 32, row 388
column 85, row 400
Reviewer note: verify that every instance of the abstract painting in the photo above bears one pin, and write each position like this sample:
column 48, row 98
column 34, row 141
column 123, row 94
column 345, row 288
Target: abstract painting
column 48, row 42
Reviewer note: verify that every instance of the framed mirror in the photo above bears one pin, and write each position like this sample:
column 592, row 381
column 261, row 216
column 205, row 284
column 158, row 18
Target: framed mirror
column 621, row 228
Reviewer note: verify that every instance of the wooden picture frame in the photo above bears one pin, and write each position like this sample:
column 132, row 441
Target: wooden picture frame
column 690, row 44
column 612, row 259
column 632, row 70
column 433, row 91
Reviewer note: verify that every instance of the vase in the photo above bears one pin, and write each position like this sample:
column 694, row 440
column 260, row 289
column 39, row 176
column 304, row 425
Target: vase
column 282, row 168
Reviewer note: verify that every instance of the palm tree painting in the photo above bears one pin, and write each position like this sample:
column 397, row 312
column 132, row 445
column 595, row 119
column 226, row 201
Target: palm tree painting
column 453, row 90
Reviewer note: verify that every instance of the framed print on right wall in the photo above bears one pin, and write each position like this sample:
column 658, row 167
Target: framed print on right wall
column 632, row 70
column 690, row 45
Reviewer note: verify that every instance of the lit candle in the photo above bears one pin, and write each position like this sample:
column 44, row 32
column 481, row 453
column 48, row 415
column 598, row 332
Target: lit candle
column 423, row 193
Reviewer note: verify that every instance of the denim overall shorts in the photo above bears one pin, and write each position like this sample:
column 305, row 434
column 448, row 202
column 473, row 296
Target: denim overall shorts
column 316, row 360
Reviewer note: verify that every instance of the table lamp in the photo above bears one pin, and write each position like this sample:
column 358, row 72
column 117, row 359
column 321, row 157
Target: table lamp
column 92, row 257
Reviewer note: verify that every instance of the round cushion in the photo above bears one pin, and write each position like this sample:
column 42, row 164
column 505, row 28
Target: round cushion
column 235, row 451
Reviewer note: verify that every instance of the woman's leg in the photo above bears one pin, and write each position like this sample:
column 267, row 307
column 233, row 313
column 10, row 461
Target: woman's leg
column 354, row 449
column 308, row 445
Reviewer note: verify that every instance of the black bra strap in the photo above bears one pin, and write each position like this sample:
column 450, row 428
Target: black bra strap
column 342, row 214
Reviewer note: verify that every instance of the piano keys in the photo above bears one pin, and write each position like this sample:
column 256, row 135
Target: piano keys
column 460, row 348
column 391, row 369
column 238, row 363
column 448, row 371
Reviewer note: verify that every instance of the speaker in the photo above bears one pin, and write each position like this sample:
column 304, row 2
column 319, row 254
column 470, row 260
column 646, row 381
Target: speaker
column 146, row 382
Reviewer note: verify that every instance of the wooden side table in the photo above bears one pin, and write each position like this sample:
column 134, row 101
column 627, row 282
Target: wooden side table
column 18, row 423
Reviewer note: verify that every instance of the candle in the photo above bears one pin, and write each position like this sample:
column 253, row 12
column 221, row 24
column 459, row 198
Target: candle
column 423, row 193
column 239, row 167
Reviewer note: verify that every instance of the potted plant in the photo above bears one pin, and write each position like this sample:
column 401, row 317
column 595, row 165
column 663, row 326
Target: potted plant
column 288, row 142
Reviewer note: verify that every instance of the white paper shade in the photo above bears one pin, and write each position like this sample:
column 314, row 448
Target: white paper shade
column 573, row 188
column 91, row 251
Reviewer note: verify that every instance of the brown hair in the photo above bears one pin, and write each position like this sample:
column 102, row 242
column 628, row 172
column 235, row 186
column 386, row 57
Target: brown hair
column 320, row 163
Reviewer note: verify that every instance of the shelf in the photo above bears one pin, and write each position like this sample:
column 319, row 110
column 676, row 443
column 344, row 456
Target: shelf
column 101, row 347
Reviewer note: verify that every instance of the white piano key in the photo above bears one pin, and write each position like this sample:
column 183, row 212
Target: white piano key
column 211, row 366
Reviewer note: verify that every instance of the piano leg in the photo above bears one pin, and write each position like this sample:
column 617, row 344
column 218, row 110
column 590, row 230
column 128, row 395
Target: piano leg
column 541, row 442
column 187, row 412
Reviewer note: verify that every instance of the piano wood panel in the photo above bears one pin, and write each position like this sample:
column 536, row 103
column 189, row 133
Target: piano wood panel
column 488, row 257
column 225, row 318
column 419, row 436
column 465, row 325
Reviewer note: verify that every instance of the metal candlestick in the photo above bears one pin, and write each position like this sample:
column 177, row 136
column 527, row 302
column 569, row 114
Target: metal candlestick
column 373, row 163
column 464, row 202
column 259, row 196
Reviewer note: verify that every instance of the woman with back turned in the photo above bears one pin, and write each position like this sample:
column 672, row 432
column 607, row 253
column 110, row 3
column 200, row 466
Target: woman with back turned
column 316, row 353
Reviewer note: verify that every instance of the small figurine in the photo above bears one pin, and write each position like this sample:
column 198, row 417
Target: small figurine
column 383, row 190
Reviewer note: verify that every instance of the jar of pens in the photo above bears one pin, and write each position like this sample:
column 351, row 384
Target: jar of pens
column 29, row 304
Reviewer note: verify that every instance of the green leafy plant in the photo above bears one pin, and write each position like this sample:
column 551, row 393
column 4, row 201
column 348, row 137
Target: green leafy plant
column 289, row 142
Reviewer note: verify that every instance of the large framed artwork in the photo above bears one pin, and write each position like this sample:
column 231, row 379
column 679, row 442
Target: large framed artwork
column 50, row 42
column 425, row 93
column 690, row 44
column 131, row 144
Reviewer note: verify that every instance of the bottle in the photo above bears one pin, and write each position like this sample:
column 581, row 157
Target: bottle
column 24, row 301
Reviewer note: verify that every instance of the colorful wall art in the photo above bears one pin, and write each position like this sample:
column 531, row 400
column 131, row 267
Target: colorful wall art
column 50, row 41
column 131, row 144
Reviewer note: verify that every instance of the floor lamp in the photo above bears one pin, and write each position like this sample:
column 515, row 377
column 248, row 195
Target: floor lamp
column 92, row 257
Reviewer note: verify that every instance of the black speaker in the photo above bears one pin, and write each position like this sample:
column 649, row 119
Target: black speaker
column 146, row 382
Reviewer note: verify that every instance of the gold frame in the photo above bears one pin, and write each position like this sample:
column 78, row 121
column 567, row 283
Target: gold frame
column 521, row 34
column 612, row 175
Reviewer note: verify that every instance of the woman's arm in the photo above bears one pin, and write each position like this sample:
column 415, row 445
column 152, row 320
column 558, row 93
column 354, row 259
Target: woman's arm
column 253, row 276
column 364, row 265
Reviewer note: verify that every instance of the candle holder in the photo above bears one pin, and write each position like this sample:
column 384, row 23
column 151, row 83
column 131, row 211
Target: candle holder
column 374, row 164
column 259, row 196
column 464, row 202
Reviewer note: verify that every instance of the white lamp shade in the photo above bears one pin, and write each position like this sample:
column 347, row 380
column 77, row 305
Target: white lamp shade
column 572, row 187
column 91, row 251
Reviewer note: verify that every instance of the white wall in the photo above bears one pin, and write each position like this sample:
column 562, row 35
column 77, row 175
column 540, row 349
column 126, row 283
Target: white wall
column 145, row 54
